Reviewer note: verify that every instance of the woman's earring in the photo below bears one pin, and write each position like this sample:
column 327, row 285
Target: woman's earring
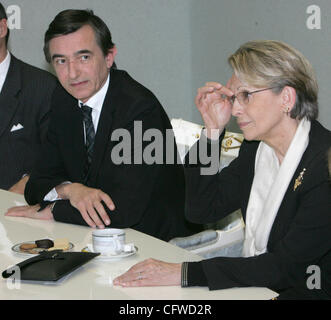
column 287, row 111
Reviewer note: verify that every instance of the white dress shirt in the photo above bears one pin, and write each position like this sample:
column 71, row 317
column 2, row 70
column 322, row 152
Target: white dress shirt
column 4, row 67
column 96, row 103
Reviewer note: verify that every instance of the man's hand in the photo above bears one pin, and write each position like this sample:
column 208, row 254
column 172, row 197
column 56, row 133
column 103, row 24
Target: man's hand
column 30, row 212
column 19, row 186
column 88, row 202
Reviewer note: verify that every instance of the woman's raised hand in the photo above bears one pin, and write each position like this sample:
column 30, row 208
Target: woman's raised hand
column 214, row 106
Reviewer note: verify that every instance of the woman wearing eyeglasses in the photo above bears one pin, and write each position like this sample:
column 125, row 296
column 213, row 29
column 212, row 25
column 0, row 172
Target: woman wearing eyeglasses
column 279, row 180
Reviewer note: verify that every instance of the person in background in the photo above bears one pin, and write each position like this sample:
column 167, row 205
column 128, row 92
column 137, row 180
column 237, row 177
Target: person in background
column 77, row 180
column 25, row 98
column 280, row 180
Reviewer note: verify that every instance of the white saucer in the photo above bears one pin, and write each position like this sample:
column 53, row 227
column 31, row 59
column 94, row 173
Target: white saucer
column 121, row 255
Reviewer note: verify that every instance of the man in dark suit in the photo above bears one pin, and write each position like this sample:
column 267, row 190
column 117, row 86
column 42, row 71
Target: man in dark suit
column 25, row 95
column 78, row 169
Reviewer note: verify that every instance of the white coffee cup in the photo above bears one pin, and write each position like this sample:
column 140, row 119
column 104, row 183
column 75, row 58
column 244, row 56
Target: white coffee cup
column 108, row 241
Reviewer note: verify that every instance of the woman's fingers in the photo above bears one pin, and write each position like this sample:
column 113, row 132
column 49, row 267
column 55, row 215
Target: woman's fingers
column 219, row 88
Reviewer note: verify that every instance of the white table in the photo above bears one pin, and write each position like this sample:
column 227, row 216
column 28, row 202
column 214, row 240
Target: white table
column 94, row 280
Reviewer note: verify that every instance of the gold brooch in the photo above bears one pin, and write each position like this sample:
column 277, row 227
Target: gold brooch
column 227, row 142
column 299, row 179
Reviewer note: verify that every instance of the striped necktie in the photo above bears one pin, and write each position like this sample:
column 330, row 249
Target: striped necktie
column 89, row 136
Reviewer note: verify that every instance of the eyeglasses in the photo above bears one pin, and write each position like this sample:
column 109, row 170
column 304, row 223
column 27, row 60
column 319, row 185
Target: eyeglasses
column 243, row 96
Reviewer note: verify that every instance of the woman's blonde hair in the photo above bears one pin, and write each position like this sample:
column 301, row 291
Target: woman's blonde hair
column 268, row 63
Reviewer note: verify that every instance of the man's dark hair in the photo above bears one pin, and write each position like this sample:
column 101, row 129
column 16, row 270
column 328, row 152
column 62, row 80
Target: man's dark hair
column 69, row 21
column 3, row 15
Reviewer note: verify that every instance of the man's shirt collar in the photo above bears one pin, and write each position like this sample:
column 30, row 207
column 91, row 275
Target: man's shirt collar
column 96, row 101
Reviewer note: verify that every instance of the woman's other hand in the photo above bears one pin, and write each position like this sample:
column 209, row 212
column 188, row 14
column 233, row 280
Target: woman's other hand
column 151, row 272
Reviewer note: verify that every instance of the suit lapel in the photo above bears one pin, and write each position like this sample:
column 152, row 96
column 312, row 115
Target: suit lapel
column 104, row 131
column 68, row 122
column 77, row 143
column 9, row 95
column 286, row 210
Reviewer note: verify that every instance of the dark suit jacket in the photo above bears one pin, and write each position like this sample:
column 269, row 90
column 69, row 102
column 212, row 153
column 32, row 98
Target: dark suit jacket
column 25, row 99
column 300, row 235
column 148, row 198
